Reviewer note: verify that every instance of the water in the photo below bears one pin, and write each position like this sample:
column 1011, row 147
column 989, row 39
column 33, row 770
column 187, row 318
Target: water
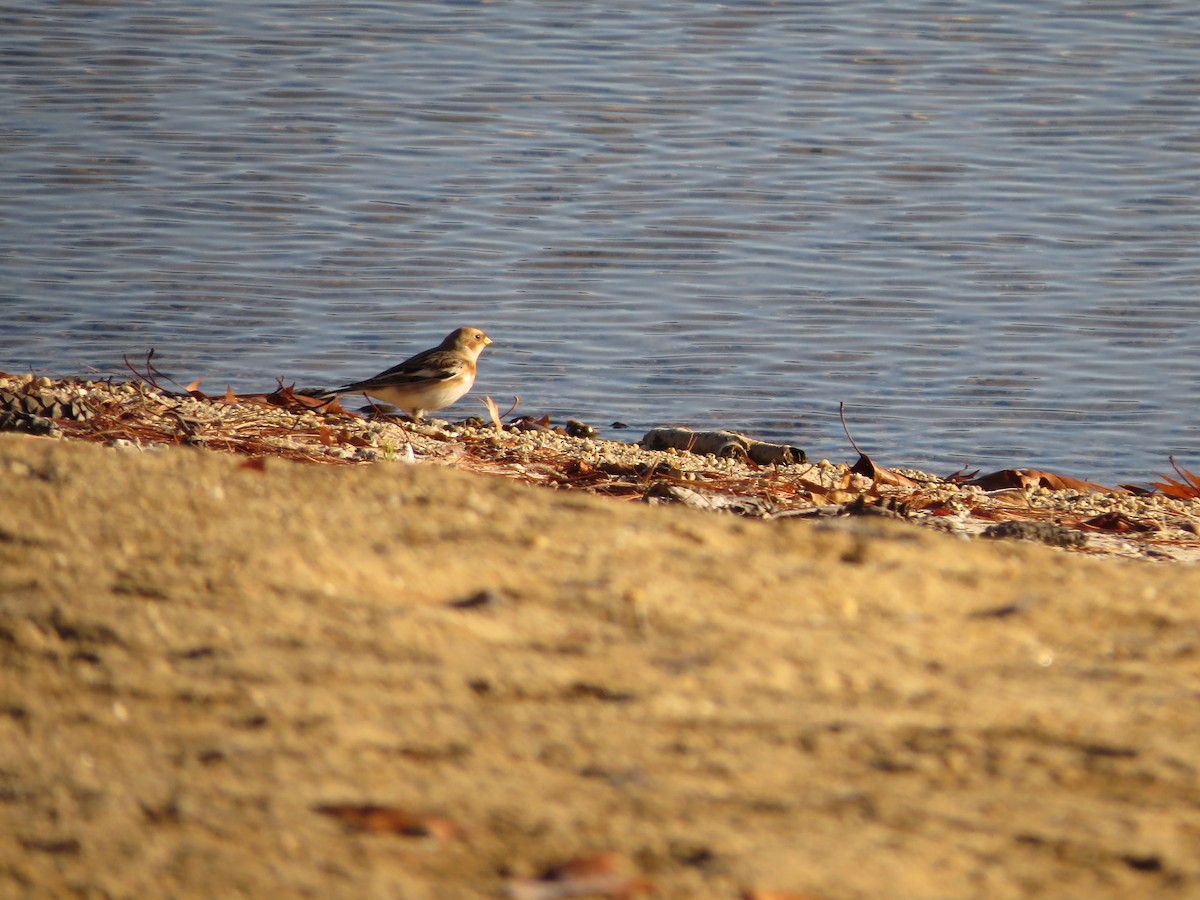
column 974, row 222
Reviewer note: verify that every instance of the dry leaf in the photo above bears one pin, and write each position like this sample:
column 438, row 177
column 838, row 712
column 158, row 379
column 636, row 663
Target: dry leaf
column 1013, row 497
column 345, row 437
column 1034, row 478
column 1118, row 523
column 1188, row 489
column 960, row 476
column 529, row 423
column 389, row 820
column 493, row 412
column 866, row 467
column 335, row 406
column 597, row 874
column 804, row 484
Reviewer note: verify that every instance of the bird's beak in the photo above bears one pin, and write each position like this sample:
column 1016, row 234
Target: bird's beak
column 487, row 340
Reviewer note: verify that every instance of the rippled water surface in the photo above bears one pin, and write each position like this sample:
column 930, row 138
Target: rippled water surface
column 974, row 222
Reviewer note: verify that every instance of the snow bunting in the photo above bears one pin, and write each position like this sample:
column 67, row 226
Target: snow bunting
column 431, row 380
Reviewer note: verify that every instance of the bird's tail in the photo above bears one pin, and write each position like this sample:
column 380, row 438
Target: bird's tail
column 318, row 394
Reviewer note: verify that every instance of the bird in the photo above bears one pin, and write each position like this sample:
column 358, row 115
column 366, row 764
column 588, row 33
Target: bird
column 428, row 381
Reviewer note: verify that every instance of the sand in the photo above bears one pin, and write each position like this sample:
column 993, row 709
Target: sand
column 203, row 659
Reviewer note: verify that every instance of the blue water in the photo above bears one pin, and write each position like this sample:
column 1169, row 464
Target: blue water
column 973, row 222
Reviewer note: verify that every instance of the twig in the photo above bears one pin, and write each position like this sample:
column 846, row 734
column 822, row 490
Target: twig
column 153, row 373
column 1183, row 473
column 846, row 428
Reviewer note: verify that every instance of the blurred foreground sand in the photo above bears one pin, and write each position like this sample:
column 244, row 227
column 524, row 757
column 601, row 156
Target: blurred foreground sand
column 197, row 654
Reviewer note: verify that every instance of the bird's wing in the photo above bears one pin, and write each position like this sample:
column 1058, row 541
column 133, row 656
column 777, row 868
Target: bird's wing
column 424, row 367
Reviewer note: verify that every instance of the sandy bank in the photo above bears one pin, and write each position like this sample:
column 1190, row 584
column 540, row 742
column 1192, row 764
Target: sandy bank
column 198, row 655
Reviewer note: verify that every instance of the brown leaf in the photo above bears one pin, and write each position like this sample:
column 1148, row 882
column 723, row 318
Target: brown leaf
column 960, row 476
column 1118, row 523
column 1188, row 489
column 1011, row 497
column 878, row 474
column 288, row 396
column 600, row 874
column 1033, row 478
column 1137, row 490
column 389, row 820
column 989, row 514
column 230, row 397
column 354, row 440
column 529, row 423
column 1176, row 490
column 578, row 468
column 194, row 392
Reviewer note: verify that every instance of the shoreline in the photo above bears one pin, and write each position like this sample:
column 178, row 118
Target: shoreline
column 1077, row 516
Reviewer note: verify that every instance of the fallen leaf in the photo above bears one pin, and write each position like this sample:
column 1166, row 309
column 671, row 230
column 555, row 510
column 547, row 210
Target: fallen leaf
column 578, row 468
column 1011, row 497
column 1034, row 478
column 347, row 437
column 288, row 396
column 196, row 394
column 389, row 820
column 493, row 412
column 482, row 598
column 600, row 874
column 960, row 476
column 866, row 467
column 1137, row 490
column 529, row 423
column 1118, row 523
column 1188, row 489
